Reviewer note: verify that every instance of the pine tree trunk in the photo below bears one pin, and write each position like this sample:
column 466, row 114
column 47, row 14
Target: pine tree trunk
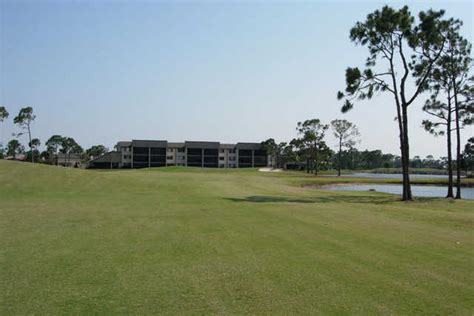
column 352, row 159
column 407, row 196
column 340, row 151
column 458, row 144
column 31, row 145
column 450, row 158
column 316, row 163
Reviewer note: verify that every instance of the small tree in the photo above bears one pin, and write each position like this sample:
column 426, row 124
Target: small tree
column 24, row 120
column 450, row 76
column 468, row 155
column 96, row 151
column 443, row 112
column 70, row 146
column 14, row 148
column 281, row 152
column 34, row 144
column 45, row 156
column 53, row 144
column 345, row 132
column 463, row 91
column 288, row 153
column 270, row 147
column 312, row 133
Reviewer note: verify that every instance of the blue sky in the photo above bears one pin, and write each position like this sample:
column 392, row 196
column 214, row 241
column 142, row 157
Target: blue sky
column 103, row 71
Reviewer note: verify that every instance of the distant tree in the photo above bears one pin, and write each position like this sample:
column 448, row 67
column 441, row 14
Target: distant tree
column 288, row 153
column 443, row 112
column 459, row 52
column 2, row 151
column 279, row 153
column 96, row 151
column 53, row 144
column 3, row 113
column 468, row 155
column 416, row 162
column 429, row 162
column 282, row 154
column 325, row 155
column 14, row 148
column 345, row 132
column 391, row 37
column 449, row 80
column 299, row 151
column 70, row 146
column 45, row 155
column 270, row 147
column 24, row 120
column 311, row 140
column 34, row 144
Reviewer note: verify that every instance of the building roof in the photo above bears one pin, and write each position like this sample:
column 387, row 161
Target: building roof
column 188, row 144
column 206, row 145
column 249, row 146
column 176, row 145
column 124, row 144
column 149, row 143
column 227, row 146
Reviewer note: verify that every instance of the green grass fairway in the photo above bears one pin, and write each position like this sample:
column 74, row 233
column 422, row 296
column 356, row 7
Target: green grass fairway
column 192, row 241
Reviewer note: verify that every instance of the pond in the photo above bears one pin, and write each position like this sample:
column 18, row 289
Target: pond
column 417, row 190
column 394, row 175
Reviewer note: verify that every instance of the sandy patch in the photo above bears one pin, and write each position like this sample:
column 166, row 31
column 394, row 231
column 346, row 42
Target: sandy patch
column 270, row 170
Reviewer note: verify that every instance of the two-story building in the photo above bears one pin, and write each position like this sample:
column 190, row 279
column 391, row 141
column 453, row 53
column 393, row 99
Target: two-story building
column 160, row 153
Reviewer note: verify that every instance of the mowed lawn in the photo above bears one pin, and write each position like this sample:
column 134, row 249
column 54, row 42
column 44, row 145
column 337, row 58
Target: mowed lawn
column 192, row 241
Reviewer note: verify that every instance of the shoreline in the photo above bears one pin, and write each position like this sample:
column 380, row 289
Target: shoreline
column 421, row 183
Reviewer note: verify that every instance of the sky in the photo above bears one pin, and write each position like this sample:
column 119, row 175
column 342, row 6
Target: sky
column 105, row 71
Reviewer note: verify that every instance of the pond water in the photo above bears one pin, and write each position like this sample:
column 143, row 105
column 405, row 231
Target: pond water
column 417, row 190
column 394, row 175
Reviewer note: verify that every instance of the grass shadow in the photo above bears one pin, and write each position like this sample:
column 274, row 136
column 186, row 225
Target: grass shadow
column 334, row 198
column 270, row 199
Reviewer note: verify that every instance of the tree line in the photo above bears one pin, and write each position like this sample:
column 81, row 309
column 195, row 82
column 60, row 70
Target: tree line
column 55, row 145
column 310, row 150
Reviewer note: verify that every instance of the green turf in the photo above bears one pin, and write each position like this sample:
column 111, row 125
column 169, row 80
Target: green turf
column 192, row 241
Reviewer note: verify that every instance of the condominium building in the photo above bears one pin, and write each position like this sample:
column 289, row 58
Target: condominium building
column 160, row 153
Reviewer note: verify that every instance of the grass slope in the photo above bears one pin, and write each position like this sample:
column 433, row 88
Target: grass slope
column 192, row 241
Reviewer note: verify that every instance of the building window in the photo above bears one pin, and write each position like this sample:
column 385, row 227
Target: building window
column 221, row 158
column 181, row 150
column 231, row 151
column 170, row 150
column 231, row 158
column 222, row 151
column 169, row 157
